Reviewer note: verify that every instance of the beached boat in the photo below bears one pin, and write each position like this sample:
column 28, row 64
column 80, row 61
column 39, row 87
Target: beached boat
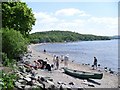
column 82, row 74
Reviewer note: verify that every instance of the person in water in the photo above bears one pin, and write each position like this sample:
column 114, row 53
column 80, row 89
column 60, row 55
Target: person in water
column 44, row 51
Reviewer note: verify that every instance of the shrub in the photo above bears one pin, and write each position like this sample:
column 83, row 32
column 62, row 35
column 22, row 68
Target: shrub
column 13, row 43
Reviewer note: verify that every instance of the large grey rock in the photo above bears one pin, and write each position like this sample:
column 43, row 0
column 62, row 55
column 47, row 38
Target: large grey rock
column 22, row 81
column 33, row 87
column 27, row 79
column 38, row 84
column 27, row 87
column 19, row 85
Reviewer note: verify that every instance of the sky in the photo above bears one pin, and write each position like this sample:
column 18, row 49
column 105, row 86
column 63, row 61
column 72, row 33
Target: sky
column 97, row 18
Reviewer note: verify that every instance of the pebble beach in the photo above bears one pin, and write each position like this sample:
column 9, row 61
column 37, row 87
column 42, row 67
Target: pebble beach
column 60, row 78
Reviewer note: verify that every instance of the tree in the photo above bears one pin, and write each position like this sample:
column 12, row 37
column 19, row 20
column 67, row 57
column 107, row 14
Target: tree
column 18, row 16
column 13, row 43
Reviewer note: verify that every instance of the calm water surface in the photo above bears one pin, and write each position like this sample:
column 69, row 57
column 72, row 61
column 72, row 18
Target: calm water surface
column 84, row 51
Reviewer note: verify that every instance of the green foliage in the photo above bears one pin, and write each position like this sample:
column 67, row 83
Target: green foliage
column 13, row 43
column 8, row 80
column 6, row 61
column 63, row 36
column 18, row 16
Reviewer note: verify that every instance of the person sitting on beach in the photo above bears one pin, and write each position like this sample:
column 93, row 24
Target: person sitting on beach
column 42, row 63
column 39, row 60
column 95, row 63
column 47, row 66
column 36, row 65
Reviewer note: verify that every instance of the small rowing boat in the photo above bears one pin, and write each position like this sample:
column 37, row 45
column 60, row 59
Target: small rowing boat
column 82, row 74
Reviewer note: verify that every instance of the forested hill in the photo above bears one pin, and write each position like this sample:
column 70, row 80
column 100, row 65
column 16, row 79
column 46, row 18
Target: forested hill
column 63, row 36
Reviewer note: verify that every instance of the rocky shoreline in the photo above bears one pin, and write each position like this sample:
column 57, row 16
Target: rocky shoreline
column 57, row 79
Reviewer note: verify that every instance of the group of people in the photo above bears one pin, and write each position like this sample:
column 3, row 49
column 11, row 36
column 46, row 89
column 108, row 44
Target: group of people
column 57, row 60
column 39, row 64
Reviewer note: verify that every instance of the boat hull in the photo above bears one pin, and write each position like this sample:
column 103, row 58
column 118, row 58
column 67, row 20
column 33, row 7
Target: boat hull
column 82, row 74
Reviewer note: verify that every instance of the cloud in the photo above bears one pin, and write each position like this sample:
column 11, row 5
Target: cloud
column 70, row 12
column 109, row 22
column 43, row 17
column 90, row 25
column 104, row 20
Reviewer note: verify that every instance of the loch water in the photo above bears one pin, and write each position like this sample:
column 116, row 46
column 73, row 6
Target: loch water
column 106, row 51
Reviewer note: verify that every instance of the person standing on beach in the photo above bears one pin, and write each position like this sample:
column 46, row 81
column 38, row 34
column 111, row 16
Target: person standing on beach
column 66, row 61
column 95, row 63
column 57, row 62
column 62, row 58
column 54, row 60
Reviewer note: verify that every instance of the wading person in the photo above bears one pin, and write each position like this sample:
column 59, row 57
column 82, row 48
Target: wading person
column 44, row 51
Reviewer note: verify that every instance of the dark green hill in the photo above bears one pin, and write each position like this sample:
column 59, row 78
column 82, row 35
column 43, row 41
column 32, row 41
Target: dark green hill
column 63, row 36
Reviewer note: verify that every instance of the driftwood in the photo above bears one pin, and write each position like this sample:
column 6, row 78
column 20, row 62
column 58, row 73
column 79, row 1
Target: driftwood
column 93, row 81
column 88, row 83
column 50, row 82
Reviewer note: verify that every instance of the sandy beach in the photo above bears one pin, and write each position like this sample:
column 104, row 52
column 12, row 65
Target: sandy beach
column 108, row 80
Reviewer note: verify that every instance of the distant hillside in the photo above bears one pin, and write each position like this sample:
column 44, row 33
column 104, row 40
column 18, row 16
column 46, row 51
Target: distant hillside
column 63, row 36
